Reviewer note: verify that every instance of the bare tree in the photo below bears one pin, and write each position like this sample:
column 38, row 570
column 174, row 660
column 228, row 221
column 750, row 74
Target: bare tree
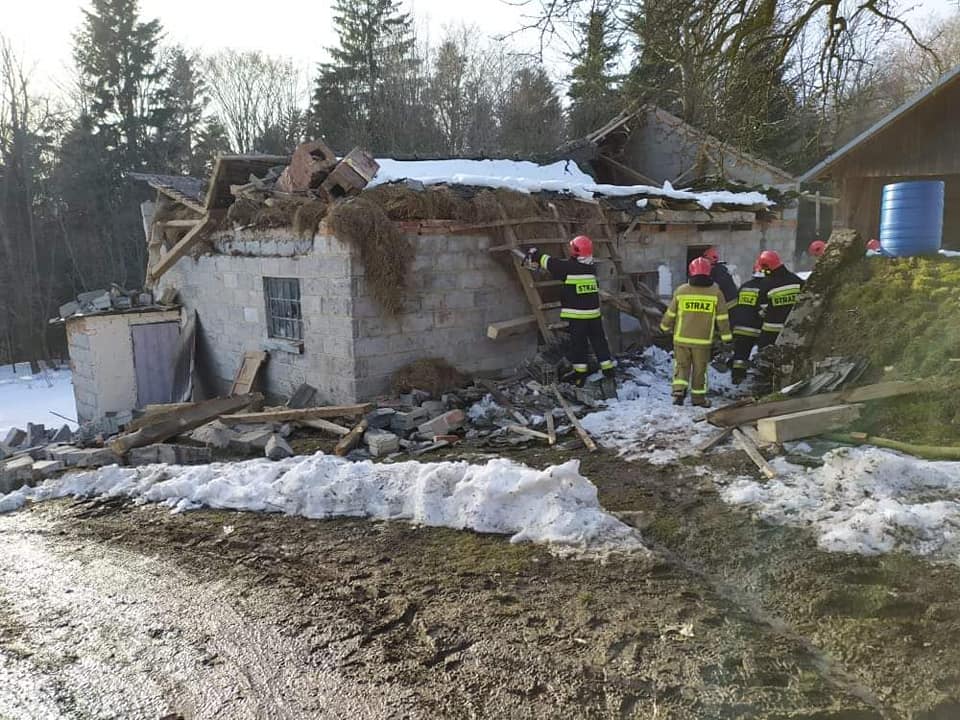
column 254, row 94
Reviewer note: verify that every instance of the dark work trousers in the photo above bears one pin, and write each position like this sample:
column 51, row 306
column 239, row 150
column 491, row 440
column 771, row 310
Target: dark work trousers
column 742, row 347
column 767, row 338
column 584, row 333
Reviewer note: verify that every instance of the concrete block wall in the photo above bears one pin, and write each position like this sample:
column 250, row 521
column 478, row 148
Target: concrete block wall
column 227, row 292
column 457, row 290
column 646, row 249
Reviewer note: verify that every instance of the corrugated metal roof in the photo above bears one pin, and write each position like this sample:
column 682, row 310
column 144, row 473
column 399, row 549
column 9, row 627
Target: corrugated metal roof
column 945, row 81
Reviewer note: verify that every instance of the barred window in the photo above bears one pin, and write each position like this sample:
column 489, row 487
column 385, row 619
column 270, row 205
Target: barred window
column 284, row 319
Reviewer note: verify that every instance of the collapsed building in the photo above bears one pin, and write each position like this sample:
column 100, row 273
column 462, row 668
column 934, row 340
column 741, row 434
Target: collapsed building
column 343, row 273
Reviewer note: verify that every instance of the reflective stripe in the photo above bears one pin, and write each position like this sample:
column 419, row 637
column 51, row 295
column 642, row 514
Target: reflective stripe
column 722, row 317
column 784, row 288
column 607, row 365
column 580, row 368
column 727, row 338
column 670, row 313
column 740, row 364
column 664, row 329
column 691, row 341
column 583, row 284
column 746, row 331
column 733, row 303
column 772, row 327
column 544, row 259
column 579, row 277
column 572, row 314
column 681, row 383
column 698, row 392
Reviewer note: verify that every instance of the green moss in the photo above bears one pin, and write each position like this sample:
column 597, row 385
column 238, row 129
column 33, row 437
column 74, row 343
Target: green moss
column 902, row 314
column 665, row 527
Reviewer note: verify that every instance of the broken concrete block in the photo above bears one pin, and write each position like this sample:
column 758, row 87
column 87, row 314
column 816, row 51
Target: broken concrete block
column 169, row 454
column 36, row 435
column 47, row 468
column 434, row 407
column 380, row 418
column 103, row 302
column 444, row 424
column 405, row 421
column 277, row 448
column 63, row 435
column 358, row 455
column 16, row 473
column 214, row 434
column 308, row 168
column 15, row 438
column 286, row 430
column 252, row 441
column 69, row 309
column 87, row 298
column 303, row 397
column 419, row 397
column 381, row 443
column 6, row 451
column 89, row 458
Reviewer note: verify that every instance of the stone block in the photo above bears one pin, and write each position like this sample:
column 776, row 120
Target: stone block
column 404, row 422
column 169, row 454
column 69, row 309
column 434, row 407
column 277, row 448
column 14, row 474
column 15, row 438
column 6, row 451
column 36, row 435
column 381, row 443
column 444, row 424
column 63, row 435
column 88, row 458
column 252, row 441
column 47, row 468
column 381, row 418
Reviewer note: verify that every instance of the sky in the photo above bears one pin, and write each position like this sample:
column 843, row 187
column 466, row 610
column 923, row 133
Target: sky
column 41, row 30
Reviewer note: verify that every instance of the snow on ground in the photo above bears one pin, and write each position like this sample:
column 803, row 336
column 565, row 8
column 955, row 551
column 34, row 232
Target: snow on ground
column 557, row 506
column 643, row 423
column 863, row 500
column 31, row 398
column 523, row 176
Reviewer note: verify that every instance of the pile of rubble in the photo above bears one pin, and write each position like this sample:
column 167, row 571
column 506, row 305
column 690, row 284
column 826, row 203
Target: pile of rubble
column 116, row 299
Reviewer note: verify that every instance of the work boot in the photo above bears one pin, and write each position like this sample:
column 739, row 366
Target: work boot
column 700, row 401
column 580, row 380
column 738, row 375
column 678, row 398
column 609, row 386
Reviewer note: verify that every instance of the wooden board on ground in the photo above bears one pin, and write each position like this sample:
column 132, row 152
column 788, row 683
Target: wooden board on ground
column 736, row 415
column 248, row 371
column 551, row 430
column 520, row 430
column 286, row 415
column 795, row 426
column 746, row 444
column 176, row 422
column 325, row 426
column 351, row 439
column 716, row 439
column 584, row 435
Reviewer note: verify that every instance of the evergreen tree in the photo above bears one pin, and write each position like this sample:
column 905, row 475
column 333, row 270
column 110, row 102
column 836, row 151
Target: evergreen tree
column 531, row 119
column 360, row 94
column 116, row 55
column 593, row 84
column 185, row 98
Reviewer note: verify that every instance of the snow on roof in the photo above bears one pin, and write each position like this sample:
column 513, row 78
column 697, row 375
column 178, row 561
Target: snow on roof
column 523, row 176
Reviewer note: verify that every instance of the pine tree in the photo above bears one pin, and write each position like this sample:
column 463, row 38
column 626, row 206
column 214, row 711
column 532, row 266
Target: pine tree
column 116, row 55
column 354, row 98
column 593, row 84
column 185, row 97
column 531, row 119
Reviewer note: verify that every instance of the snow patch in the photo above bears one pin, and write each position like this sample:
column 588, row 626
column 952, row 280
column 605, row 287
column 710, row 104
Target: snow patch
column 863, row 500
column 557, row 506
column 644, row 424
column 523, row 176
column 31, row 398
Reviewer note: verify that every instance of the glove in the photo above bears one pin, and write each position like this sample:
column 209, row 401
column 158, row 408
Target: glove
column 533, row 255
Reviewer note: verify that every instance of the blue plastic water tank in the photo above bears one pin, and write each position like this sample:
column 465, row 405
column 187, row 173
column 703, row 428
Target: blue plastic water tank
column 911, row 218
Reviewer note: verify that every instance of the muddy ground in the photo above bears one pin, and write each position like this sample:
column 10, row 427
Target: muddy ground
column 121, row 611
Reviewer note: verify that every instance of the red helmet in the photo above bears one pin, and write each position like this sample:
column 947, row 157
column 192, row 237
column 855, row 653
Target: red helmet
column 769, row 261
column 874, row 245
column 712, row 254
column 581, row 246
column 817, row 248
column 700, row 266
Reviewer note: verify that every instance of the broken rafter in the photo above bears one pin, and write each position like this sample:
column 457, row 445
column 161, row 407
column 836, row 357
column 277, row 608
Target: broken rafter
column 286, row 415
column 186, row 243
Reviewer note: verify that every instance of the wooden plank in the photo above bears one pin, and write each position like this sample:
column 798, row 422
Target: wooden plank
column 179, row 422
column 713, row 441
column 795, row 426
column 629, row 171
column 520, row 430
column 153, row 414
column 351, row 439
column 247, row 372
column 750, row 449
column 286, row 415
column 180, row 223
column 698, row 217
column 325, row 426
column 584, row 435
column 551, row 429
column 170, row 258
column 751, row 432
column 509, row 328
column 514, row 222
column 736, row 415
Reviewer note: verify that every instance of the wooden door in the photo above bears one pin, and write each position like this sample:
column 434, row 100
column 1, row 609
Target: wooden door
column 154, row 358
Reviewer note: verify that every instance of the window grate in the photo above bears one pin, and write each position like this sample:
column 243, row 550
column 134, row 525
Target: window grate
column 284, row 319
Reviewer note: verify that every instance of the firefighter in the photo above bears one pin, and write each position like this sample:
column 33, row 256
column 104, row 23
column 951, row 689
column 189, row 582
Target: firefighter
column 580, row 305
column 778, row 296
column 721, row 276
column 694, row 310
column 746, row 321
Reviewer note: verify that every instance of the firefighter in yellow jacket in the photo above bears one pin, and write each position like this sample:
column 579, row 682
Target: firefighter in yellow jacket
column 696, row 307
